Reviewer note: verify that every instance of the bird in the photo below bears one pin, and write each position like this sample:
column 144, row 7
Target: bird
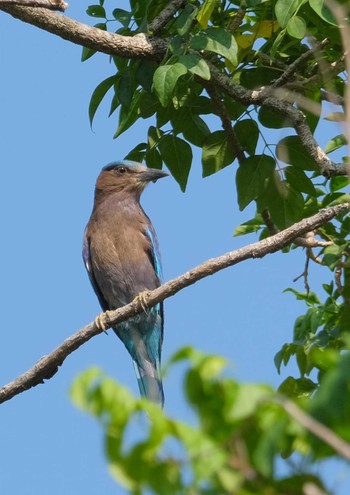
column 122, row 258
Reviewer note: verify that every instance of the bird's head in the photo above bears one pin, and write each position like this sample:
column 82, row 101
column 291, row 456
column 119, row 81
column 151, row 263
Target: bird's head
column 127, row 177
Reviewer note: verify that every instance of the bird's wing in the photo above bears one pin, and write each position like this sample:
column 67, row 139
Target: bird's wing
column 88, row 266
column 155, row 253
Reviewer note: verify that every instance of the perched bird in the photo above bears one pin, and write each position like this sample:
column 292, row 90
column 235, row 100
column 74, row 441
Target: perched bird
column 121, row 255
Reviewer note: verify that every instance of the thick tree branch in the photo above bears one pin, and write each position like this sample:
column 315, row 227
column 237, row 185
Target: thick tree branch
column 137, row 46
column 47, row 366
column 142, row 46
column 46, row 4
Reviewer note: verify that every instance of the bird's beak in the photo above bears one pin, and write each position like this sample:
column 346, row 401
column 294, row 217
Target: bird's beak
column 152, row 174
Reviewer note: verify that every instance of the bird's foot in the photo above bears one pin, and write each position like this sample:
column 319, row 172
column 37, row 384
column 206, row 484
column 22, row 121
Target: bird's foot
column 142, row 298
column 102, row 321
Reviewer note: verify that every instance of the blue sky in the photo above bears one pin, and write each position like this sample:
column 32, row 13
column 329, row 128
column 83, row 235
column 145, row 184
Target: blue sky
column 50, row 160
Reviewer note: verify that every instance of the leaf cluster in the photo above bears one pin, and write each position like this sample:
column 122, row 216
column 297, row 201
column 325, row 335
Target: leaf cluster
column 239, row 433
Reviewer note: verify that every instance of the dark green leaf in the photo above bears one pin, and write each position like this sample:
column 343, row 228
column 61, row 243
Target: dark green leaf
column 99, row 94
column 153, row 158
column 251, row 178
column 272, row 120
column 126, row 88
column 122, row 16
column 284, row 203
column 137, row 154
column 177, row 155
column 290, row 150
column 89, row 52
column 149, row 105
column 337, row 183
column 96, row 11
column 216, row 40
column 191, row 126
column 299, row 180
column 165, row 79
column 145, row 72
column 184, row 22
column 247, row 132
column 216, row 153
column 129, row 115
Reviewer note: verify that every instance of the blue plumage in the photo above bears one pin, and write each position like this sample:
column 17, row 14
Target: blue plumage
column 121, row 255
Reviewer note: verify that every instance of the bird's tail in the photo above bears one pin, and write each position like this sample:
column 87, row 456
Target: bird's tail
column 149, row 380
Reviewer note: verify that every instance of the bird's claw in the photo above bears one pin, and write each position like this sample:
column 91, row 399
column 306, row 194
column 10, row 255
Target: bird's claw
column 102, row 321
column 142, row 298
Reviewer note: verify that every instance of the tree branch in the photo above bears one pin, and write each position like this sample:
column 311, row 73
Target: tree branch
column 46, row 4
column 143, row 46
column 318, row 429
column 137, row 46
column 47, row 366
column 165, row 15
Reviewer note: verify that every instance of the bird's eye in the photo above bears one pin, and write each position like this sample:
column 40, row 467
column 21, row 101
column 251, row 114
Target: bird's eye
column 121, row 170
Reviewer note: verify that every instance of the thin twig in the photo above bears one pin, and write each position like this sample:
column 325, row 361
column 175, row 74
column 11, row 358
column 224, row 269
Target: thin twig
column 318, row 429
column 46, row 367
column 226, row 122
column 292, row 68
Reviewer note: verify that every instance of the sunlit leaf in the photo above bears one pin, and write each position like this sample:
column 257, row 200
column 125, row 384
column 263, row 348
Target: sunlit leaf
column 216, row 40
column 165, row 79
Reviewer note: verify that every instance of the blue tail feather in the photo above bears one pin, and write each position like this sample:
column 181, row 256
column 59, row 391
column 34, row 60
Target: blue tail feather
column 149, row 382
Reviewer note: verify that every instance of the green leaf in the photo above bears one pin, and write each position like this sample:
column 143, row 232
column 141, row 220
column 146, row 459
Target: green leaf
column 290, row 150
column 177, row 155
column 216, row 40
column 145, row 72
column 321, row 9
column 129, row 115
column 205, row 12
column 137, row 154
column 99, row 94
column 96, row 11
column 165, row 79
column 251, row 177
column 184, row 22
column 195, row 64
column 336, row 143
column 153, row 158
column 126, row 88
column 196, row 130
column 191, row 126
column 216, row 153
column 249, row 227
column 247, row 132
column 337, row 183
column 299, row 180
column 89, row 52
column 285, row 9
column 122, row 16
column 272, row 120
column 284, row 203
column 296, row 27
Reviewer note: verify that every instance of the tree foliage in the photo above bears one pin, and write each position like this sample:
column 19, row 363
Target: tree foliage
column 249, row 83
